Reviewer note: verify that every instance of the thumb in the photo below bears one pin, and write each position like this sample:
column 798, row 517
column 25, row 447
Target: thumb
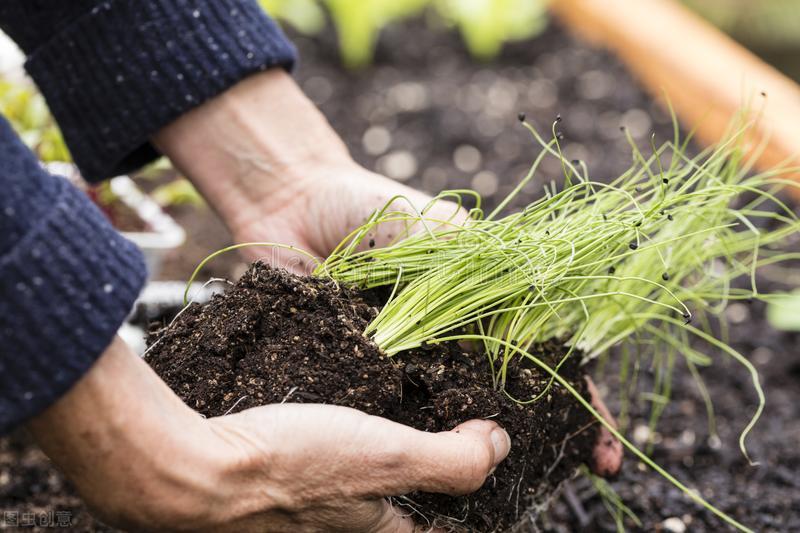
column 457, row 461
column 332, row 452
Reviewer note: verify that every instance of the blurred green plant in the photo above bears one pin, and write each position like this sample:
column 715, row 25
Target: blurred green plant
column 28, row 114
column 765, row 24
column 26, row 110
column 306, row 16
column 359, row 22
column 179, row 191
column 485, row 25
column 783, row 312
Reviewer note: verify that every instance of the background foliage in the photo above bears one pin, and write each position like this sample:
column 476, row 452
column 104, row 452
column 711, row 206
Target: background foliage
column 484, row 24
column 766, row 24
column 27, row 112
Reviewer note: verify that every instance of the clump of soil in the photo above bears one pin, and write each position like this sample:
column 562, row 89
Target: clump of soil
column 277, row 337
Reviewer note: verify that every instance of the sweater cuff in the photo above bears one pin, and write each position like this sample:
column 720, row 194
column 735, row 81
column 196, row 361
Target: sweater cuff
column 74, row 280
column 118, row 74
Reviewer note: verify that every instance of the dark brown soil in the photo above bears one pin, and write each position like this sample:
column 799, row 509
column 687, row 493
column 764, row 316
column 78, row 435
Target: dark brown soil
column 277, row 337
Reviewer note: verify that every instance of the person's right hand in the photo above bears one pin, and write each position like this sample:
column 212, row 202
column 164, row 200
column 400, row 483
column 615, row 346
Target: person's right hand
column 143, row 460
column 329, row 468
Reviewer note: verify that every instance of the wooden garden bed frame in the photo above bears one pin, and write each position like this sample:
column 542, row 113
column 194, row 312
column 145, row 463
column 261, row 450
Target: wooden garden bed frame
column 705, row 75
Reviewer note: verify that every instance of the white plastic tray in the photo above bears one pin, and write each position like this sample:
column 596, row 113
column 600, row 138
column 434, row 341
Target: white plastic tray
column 163, row 234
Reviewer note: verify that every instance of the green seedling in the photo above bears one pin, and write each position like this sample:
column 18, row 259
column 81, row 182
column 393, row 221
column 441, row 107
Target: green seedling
column 636, row 266
column 485, row 25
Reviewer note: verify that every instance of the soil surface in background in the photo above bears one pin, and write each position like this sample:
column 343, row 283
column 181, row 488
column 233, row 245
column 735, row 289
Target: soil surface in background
column 277, row 337
column 34, row 496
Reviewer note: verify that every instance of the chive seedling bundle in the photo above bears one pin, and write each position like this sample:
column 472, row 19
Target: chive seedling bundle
column 643, row 261
column 592, row 265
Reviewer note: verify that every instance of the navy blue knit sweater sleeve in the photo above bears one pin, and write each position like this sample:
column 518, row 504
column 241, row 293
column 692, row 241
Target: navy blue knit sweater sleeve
column 115, row 71
column 67, row 281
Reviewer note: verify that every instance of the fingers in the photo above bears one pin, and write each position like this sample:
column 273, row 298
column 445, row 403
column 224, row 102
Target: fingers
column 359, row 516
column 357, row 456
column 376, row 517
column 457, row 461
column 607, row 455
column 441, row 214
column 393, row 520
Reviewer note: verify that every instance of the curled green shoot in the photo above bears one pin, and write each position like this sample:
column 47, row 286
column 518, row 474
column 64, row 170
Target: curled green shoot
column 231, row 248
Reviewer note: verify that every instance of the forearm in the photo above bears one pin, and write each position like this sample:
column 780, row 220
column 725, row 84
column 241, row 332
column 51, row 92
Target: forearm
column 68, row 282
column 251, row 147
column 114, row 435
column 114, row 72
column 119, row 398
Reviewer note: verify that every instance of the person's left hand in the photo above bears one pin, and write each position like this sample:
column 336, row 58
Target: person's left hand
column 318, row 209
column 270, row 164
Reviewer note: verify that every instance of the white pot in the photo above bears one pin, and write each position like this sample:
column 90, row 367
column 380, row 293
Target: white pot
column 163, row 234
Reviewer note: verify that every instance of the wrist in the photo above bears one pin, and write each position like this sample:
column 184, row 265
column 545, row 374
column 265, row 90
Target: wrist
column 258, row 141
column 134, row 451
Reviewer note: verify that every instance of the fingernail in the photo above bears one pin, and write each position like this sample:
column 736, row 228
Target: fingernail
column 502, row 444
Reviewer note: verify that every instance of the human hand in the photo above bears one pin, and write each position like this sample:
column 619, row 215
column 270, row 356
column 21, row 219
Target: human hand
column 323, row 206
column 144, row 461
column 275, row 171
column 330, row 468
